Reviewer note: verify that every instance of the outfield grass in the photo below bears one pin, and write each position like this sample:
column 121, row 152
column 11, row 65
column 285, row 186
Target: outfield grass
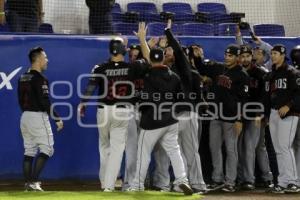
column 95, row 196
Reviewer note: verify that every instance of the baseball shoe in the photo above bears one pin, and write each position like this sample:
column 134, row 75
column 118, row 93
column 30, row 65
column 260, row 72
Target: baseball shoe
column 215, row 186
column 34, row 186
column 229, row 188
column 277, row 190
column 29, row 187
column 292, row 188
column 248, row 186
column 199, row 191
column 187, row 190
column 132, row 190
column 269, row 184
column 107, row 190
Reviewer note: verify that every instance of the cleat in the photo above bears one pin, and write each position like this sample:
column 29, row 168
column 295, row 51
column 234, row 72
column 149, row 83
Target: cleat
column 215, row 186
column 277, row 190
column 228, row 188
column 292, row 188
column 187, row 190
column 248, row 186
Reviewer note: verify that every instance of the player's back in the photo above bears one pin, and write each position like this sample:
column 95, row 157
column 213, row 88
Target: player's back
column 161, row 87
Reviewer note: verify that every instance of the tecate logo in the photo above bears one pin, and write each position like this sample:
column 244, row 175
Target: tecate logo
column 6, row 79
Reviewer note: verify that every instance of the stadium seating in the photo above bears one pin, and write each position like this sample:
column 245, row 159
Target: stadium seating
column 216, row 13
column 226, row 29
column 117, row 16
column 156, row 28
column 211, row 8
column 45, row 28
column 198, row 29
column 177, row 7
column 229, row 29
column 183, row 11
column 142, row 7
column 116, row 8
column 269, row 30
column 125, row 28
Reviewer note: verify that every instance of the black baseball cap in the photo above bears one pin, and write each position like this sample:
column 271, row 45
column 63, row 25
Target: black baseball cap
column 135, row 46
column 156, row 55
column 233, row 49
column 245, row 49
column 280, row 48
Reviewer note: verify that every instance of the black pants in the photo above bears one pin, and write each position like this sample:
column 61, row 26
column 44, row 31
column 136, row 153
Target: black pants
column 100, row 23
column 19, row 23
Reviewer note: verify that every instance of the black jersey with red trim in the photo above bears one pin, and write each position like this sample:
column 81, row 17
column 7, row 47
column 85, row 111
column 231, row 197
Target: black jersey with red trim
column 283, row 87
column 230, row 88
column 161, row 87
column 112, row 80
column 33, row 93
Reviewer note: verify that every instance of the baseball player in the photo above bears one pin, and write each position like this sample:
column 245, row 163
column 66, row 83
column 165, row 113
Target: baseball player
column 113, row 111
column 284, row 92
column 33, row 94
column 230, row 87
column 135, row 55
column 157, row 122
column 295, row 57
column 250, row 137
column 188, row 123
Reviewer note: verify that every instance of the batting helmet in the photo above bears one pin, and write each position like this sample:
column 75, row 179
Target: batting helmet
column 295, row 56
column 116, row 46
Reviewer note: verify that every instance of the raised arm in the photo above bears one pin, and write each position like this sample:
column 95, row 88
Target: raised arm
column 182, row 63
column 141, row 35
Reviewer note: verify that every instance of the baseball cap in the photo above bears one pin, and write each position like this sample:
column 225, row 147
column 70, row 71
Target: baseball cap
column 233, row 49
column 280, row 48
column 245, row 49
column 135, row 46
column 156, row 55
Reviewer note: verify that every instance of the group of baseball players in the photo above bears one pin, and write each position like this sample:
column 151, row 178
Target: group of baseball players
column 152, row 108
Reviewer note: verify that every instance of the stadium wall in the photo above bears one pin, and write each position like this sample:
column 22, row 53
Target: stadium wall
column 76, row 149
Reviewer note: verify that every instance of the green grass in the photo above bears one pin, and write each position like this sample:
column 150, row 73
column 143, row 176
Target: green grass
column 95, row 196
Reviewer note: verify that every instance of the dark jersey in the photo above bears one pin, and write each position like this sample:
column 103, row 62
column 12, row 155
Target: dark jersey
column 284, row 89
column 190, row 78
column 27, row 8
column 112, row 80
column 33, row 93
column 161, row 87
column 257, row 77
column 230, row 88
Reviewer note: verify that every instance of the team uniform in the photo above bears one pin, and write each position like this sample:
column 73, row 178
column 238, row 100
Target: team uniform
column 159, row 125
column 252, row 135
column 230, row 88
column 34, row 101
column 112, row 117
column 284, row 90
column 35, row 126
column 133, row 126
column 188, row 125
column 295, row 57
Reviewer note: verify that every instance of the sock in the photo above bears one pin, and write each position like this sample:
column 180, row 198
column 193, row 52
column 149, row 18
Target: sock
column 39, row 165
column 27, row 168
